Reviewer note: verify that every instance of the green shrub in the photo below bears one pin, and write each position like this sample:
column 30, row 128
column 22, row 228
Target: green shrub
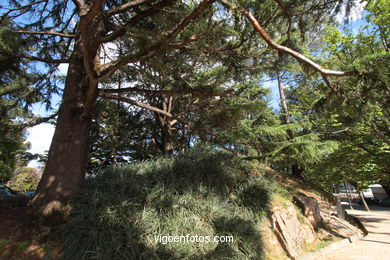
column 205, row 193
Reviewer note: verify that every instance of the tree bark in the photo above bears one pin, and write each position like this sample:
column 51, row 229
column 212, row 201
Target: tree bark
column 67, row 159
column 164, row 124
column 286, row 114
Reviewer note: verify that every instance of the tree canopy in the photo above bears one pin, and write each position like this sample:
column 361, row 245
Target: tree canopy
column 153, row 77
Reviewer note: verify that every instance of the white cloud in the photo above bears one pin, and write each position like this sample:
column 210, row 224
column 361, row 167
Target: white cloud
column 40, row 137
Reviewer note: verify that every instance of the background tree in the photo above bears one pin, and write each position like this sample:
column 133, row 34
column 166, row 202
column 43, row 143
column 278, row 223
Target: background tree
column 355, row 113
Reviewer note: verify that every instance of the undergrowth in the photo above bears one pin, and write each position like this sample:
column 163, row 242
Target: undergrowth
column 205, row 192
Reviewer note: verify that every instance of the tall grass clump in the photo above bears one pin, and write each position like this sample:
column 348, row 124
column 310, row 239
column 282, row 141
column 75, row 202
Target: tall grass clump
column 206, row 192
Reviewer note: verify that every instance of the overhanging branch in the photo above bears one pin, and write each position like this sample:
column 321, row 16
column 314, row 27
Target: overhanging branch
column 166, row 92
column 126, row 6
column 168, row 37
column 38, row 121
column 46, row 33
column 140, row 104
column 298, row 56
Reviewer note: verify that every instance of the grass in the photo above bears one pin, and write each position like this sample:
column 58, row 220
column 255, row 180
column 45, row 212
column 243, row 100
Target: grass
column 320, row 244
column 204, row 193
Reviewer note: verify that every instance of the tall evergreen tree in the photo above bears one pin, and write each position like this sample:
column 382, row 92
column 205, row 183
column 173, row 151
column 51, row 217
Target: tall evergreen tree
column 78, row 32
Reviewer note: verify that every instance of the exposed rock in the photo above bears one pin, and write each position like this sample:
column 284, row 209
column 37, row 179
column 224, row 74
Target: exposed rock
column 335, row 225
column 310, row 208
column 292, row 234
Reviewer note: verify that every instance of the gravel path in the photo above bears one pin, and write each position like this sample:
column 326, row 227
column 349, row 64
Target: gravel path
column 374, row 246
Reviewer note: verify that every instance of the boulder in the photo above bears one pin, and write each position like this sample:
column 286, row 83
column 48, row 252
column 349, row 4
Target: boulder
column 292, row 234
column 335, row 225
column 310, row 208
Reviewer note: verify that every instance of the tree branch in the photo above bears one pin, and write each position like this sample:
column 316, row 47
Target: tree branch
column 165, row 92
column 379, row 134
column 140, row 104
column 126, row 6
column 20, row 8
column 136, row 19
column 290, row 14
column 46, row 33
column 30, row 57
column 298, row 56
column 109, row 69
column 38, row 121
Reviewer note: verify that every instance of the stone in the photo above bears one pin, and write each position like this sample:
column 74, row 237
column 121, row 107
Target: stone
column 335, row 225
column 292, row 234
column 310, row 208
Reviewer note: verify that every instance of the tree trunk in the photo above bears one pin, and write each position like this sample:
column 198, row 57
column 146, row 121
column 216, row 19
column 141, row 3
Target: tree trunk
column 167, row 140
column 68, row 155
column 286, row 114
column 296, row 170
column 164, row 123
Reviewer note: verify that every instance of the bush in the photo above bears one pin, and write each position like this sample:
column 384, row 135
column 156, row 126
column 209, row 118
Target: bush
column 25, row 179
column 205, row 193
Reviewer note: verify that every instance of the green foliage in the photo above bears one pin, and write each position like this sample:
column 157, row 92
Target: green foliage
column 11, row 145
column 358, row 117
column 205, row 193
column 25, row 179
column 119, row 134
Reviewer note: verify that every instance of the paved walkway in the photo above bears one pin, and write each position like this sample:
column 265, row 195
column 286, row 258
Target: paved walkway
column 374, row 246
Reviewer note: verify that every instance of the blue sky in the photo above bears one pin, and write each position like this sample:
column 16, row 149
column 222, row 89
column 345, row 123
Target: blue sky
column 40, row 136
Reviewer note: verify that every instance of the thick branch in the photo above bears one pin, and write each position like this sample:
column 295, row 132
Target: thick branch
column 126, row 6
column 136, row 19
column 140, row 104
column 46, row 33
column 298, row 56
column 168, row 37
column 166, row 92
column 136, row 103
column 38, row 121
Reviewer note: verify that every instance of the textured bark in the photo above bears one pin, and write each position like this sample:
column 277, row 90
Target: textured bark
column 66, row 165
column 164, row 124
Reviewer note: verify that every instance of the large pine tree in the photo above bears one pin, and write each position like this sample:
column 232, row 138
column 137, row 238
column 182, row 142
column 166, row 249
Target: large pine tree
column 79, row 32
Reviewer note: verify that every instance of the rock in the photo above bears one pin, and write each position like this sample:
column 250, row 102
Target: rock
column 340, row 227
column 310, row 208
column 292, row 234
column 335, row 225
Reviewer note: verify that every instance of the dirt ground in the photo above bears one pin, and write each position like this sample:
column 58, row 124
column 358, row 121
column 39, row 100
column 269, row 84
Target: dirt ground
column 17, row 237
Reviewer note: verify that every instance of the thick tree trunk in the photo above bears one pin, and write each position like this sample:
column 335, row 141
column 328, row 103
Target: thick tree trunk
column 67, row 159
